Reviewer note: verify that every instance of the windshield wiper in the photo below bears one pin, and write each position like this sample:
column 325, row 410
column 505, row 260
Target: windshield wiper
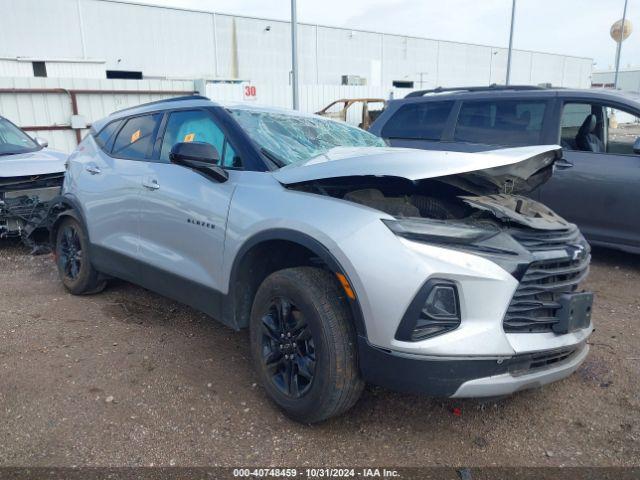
column 279, row 162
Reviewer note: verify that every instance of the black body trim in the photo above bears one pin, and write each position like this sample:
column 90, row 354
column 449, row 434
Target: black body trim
column 411, row 316
column 442, row 378
column 208, row 300
column 308, row 242
column 73, row 209
column 205, row 299
column 406, row 373
column 195, row 96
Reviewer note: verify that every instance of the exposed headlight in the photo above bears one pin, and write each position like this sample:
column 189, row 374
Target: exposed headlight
column 434, row 311
column 438, row 231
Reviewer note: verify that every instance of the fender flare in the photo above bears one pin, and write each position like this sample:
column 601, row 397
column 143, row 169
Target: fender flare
column 311, row 244
column 67, row 206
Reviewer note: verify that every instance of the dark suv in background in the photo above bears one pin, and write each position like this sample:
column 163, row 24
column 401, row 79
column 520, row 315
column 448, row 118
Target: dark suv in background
column 597, row 185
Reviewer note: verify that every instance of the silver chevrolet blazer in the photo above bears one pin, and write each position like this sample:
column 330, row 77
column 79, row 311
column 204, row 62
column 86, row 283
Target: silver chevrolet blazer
column 349, row 261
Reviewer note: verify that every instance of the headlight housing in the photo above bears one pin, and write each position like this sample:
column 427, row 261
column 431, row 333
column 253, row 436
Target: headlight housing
column 485, row 239
column 438, row 231
column 435, row 310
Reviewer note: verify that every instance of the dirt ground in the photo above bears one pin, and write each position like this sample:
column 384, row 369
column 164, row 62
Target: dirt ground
column 128, row 378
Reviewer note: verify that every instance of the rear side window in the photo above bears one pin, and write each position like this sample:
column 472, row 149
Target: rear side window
column 420, row 121
column 106, row 134
column 505, row 122
column 135, row 140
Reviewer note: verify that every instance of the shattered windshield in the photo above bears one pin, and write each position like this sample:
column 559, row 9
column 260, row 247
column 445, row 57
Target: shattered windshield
column 13, row 140
column 289, row 138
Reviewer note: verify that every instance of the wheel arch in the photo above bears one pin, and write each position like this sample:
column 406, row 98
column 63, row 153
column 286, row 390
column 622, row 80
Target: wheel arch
column 66, row 207
column 284, row 246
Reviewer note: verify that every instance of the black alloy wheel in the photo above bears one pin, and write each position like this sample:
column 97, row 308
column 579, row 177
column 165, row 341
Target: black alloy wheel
column 304, row 344
column 73, row 259
column 288, row 349
column 70, row 252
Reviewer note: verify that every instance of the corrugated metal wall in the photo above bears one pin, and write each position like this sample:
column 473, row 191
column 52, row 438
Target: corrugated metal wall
column 39, row 109
column 176, row 43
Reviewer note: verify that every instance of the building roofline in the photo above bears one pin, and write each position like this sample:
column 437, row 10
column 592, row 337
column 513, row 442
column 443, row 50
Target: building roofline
column 53, row 59
column 183, row 9
column 622, row 70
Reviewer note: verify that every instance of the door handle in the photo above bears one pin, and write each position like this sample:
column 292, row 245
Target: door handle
column 563, row 164
column 93, row 169
column 151, row 184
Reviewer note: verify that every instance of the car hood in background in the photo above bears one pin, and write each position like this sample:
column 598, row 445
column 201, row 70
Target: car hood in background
column 41, row 162
column 508, row 170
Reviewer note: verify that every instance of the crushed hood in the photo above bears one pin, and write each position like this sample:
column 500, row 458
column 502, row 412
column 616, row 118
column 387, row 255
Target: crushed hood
column 508, row 170
column 41, row 162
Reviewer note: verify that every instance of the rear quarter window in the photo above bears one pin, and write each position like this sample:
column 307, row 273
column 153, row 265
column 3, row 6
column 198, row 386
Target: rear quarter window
column 503, row 122
column 105, row 135
column 135, row 139
column 420, row 121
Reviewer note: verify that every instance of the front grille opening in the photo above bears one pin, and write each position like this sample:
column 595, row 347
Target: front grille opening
column 536, row 300
column 535, row 304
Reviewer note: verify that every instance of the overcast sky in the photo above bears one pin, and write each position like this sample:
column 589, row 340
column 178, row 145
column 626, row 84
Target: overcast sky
column 572, row 27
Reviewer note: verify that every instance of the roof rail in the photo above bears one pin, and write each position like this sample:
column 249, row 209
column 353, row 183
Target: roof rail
column 489, row 88
column 195, row 96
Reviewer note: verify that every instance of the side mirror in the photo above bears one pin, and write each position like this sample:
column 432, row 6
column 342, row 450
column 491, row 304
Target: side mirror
column 42, row 142
column 200, row 156
column 636, row 146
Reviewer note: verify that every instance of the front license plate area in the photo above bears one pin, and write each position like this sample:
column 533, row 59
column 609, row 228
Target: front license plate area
column 575, row 312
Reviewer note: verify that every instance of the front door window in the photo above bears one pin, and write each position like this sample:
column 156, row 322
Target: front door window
column 598, row 128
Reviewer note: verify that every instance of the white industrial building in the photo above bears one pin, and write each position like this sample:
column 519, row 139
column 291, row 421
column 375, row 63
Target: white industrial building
column 66, row 63
column 87, row 38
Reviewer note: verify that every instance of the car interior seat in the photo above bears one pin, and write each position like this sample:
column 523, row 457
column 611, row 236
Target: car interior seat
column 586, row 140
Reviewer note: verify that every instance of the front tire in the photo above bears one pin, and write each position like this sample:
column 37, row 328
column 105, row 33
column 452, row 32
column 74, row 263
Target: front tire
column 72, row 257
column 304, row 345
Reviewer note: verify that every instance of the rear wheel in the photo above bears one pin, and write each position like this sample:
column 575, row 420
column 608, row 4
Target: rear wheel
column 72, row 257
column 303, row 344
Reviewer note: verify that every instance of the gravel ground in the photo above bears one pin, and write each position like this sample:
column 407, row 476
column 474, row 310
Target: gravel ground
column 128, row 378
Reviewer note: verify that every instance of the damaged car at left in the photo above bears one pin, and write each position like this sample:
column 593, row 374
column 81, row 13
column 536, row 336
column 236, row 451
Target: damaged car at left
column 31, row 176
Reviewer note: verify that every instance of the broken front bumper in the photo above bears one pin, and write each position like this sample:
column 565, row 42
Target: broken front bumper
column 24, row 203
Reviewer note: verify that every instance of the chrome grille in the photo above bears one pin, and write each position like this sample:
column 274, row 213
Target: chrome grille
column 535, row 303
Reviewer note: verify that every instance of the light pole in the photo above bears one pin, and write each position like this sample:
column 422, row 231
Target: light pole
column 294, row 54
column 619, row 48
column 513, row 16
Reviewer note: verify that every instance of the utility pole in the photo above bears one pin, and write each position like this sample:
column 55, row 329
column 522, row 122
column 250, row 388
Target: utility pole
column 513, row 16
column 294, row 54
column 619, row 49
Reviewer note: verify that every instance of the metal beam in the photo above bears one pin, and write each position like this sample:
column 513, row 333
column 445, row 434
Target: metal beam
column 619, row 47
column 513, row 16
column 294, row 54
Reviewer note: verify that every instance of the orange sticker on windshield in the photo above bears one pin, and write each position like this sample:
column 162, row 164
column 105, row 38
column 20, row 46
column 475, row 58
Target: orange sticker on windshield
column 135, row 136
column 189, row 137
